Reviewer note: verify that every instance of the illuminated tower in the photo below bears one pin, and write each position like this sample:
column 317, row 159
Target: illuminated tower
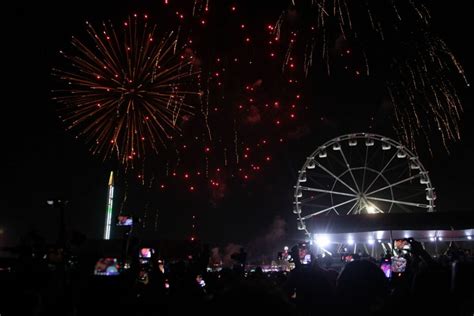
column 110, row 200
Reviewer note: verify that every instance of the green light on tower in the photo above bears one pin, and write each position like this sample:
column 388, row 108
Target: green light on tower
column 108, row 214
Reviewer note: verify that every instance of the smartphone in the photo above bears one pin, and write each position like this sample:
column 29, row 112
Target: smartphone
column 124, row 220
column 399, row 264
column 402, row 244
column 386, row 266
column 347, row 258
column 107, row 267
column 146, row 253
column 306, row 259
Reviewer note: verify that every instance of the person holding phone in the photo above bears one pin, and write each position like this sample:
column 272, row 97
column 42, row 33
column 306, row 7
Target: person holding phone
column 386, row 266
column 402, row 252
column 304, row 254
column 307, row 284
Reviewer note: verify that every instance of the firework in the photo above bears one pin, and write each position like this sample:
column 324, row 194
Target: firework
column 390, row 40
column 323, row 23
column 126, row 89
column 421, row 88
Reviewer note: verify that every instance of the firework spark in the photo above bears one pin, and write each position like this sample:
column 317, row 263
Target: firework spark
column 126, row 89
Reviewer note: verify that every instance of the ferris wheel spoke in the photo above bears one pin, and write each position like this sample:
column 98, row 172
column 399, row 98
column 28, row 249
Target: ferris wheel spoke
column 393, row 184
column 403, row 172
column 398, row 166
column 327, row 191
column 349, row 168
column 404, row 208
column 309, row 199
column 314, row 205
column 352, row 208
column 398, row 202
column 335, row 177
column 314, row 181
column 365, row 167
column 380, row 173
column 377, row 208
column 411, row 196
column 327, row 209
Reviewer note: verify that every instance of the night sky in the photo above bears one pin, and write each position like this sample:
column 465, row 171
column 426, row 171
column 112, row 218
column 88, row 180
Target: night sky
column 42, row 161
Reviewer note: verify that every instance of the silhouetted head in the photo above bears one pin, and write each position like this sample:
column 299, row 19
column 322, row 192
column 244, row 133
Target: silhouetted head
column 250, row 297
column 362, row 286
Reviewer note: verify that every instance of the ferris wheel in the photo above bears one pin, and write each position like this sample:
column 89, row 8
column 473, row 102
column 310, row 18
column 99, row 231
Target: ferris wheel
column 361, row 174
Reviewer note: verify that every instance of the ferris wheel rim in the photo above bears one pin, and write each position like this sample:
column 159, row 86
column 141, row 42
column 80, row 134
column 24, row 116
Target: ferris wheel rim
column 370, row 138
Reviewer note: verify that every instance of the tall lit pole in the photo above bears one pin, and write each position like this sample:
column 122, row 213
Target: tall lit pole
column 110, row 200
column 61, row 204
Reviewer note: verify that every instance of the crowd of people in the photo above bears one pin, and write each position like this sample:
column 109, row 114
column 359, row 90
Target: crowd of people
column 62, row 282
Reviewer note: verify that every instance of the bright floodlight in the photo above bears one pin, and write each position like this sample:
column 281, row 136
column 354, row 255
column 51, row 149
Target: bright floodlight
column 50, row 202
column 350, row 241
column 370, row 209
column 286, row 248
column 322, row 240
column 432, row 238
column 371, row 241
column 469, row 237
